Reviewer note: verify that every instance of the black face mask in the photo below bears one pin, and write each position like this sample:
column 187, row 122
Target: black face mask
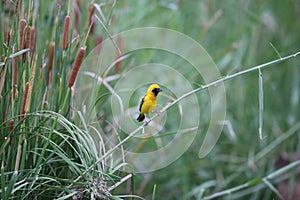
column 156, row 91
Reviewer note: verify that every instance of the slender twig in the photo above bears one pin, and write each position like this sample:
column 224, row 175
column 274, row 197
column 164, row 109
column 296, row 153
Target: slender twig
column 257, row 181
column 227, row 78
column 108, row 34
column 120, row 182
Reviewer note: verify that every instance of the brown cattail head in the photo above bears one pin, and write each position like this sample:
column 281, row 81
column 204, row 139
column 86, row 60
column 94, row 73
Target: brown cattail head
column 11, row 125
column 26, row 34
column 25, row 41
column 22, row 25
column 7, row 37
column 31, row 82
column 121, row 48
column 76, row 66
column 50, row 61
column 65, row 39
column 32, row 40
column 24, row 101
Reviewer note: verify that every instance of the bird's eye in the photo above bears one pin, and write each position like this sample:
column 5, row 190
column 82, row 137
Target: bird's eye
column 156, row 90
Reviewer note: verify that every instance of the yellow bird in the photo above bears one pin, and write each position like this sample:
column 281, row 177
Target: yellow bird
column 148, row 102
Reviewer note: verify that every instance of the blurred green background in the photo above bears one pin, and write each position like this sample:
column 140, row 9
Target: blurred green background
column 237, row 35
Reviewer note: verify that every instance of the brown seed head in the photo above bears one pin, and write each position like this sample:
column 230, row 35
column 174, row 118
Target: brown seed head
column 7, row 37
column 76, row 66
column 11, row 125
column 65, row 39
column 26, row 34
column 24, row 101
column 32, row 39
column 22, row 25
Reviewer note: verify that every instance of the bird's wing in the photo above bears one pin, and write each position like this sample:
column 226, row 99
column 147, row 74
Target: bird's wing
column 141, row 104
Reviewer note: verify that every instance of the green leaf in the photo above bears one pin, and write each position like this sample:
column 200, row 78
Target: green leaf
column 260, row 104
column 254, row 181
column 2, row 183
column 154, row 192
column 11, row 184
column 270, row 185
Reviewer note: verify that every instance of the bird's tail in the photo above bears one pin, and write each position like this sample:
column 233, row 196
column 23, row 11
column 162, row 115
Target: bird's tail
column 141, row 117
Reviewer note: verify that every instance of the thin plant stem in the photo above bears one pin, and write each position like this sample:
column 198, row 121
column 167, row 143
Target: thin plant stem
column 65, row 101
column 253, row 182
column 214, row 83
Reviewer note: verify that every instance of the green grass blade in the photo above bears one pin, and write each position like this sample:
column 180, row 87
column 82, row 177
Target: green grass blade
column 270, row 185
column 3, row 192
column 11, row 184
column 260, row 104
column 154, row 192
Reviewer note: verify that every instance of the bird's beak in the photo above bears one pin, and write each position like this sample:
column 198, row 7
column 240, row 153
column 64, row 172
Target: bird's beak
column 159, row 90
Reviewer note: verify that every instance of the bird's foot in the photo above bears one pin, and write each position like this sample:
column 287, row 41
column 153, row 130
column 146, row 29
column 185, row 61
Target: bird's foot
column 146, row 122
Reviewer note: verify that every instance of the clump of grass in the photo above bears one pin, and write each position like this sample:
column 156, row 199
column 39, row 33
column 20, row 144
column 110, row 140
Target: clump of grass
column 44, row 152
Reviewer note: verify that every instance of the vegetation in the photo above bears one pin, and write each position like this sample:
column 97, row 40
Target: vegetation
column 61, row 138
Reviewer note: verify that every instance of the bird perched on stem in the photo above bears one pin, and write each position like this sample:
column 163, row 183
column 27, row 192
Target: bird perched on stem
column 148, row 102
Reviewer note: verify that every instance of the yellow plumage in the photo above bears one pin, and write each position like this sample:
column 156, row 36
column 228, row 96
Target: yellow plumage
column 148, row 103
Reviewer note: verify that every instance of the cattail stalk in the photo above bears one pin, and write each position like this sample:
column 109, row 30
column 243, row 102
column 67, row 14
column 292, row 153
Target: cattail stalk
column 8, row 106
column 76, row 66
column 51, row 61
column 77, row 13
column 18, row 157
column 10, row 129
column 15, row 77
column 17, row 3
column 31, row 81
column 65, row 39
column 24, row 101
column 2, row 78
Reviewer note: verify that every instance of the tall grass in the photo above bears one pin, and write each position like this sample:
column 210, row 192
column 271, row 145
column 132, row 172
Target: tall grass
column 42, row 152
